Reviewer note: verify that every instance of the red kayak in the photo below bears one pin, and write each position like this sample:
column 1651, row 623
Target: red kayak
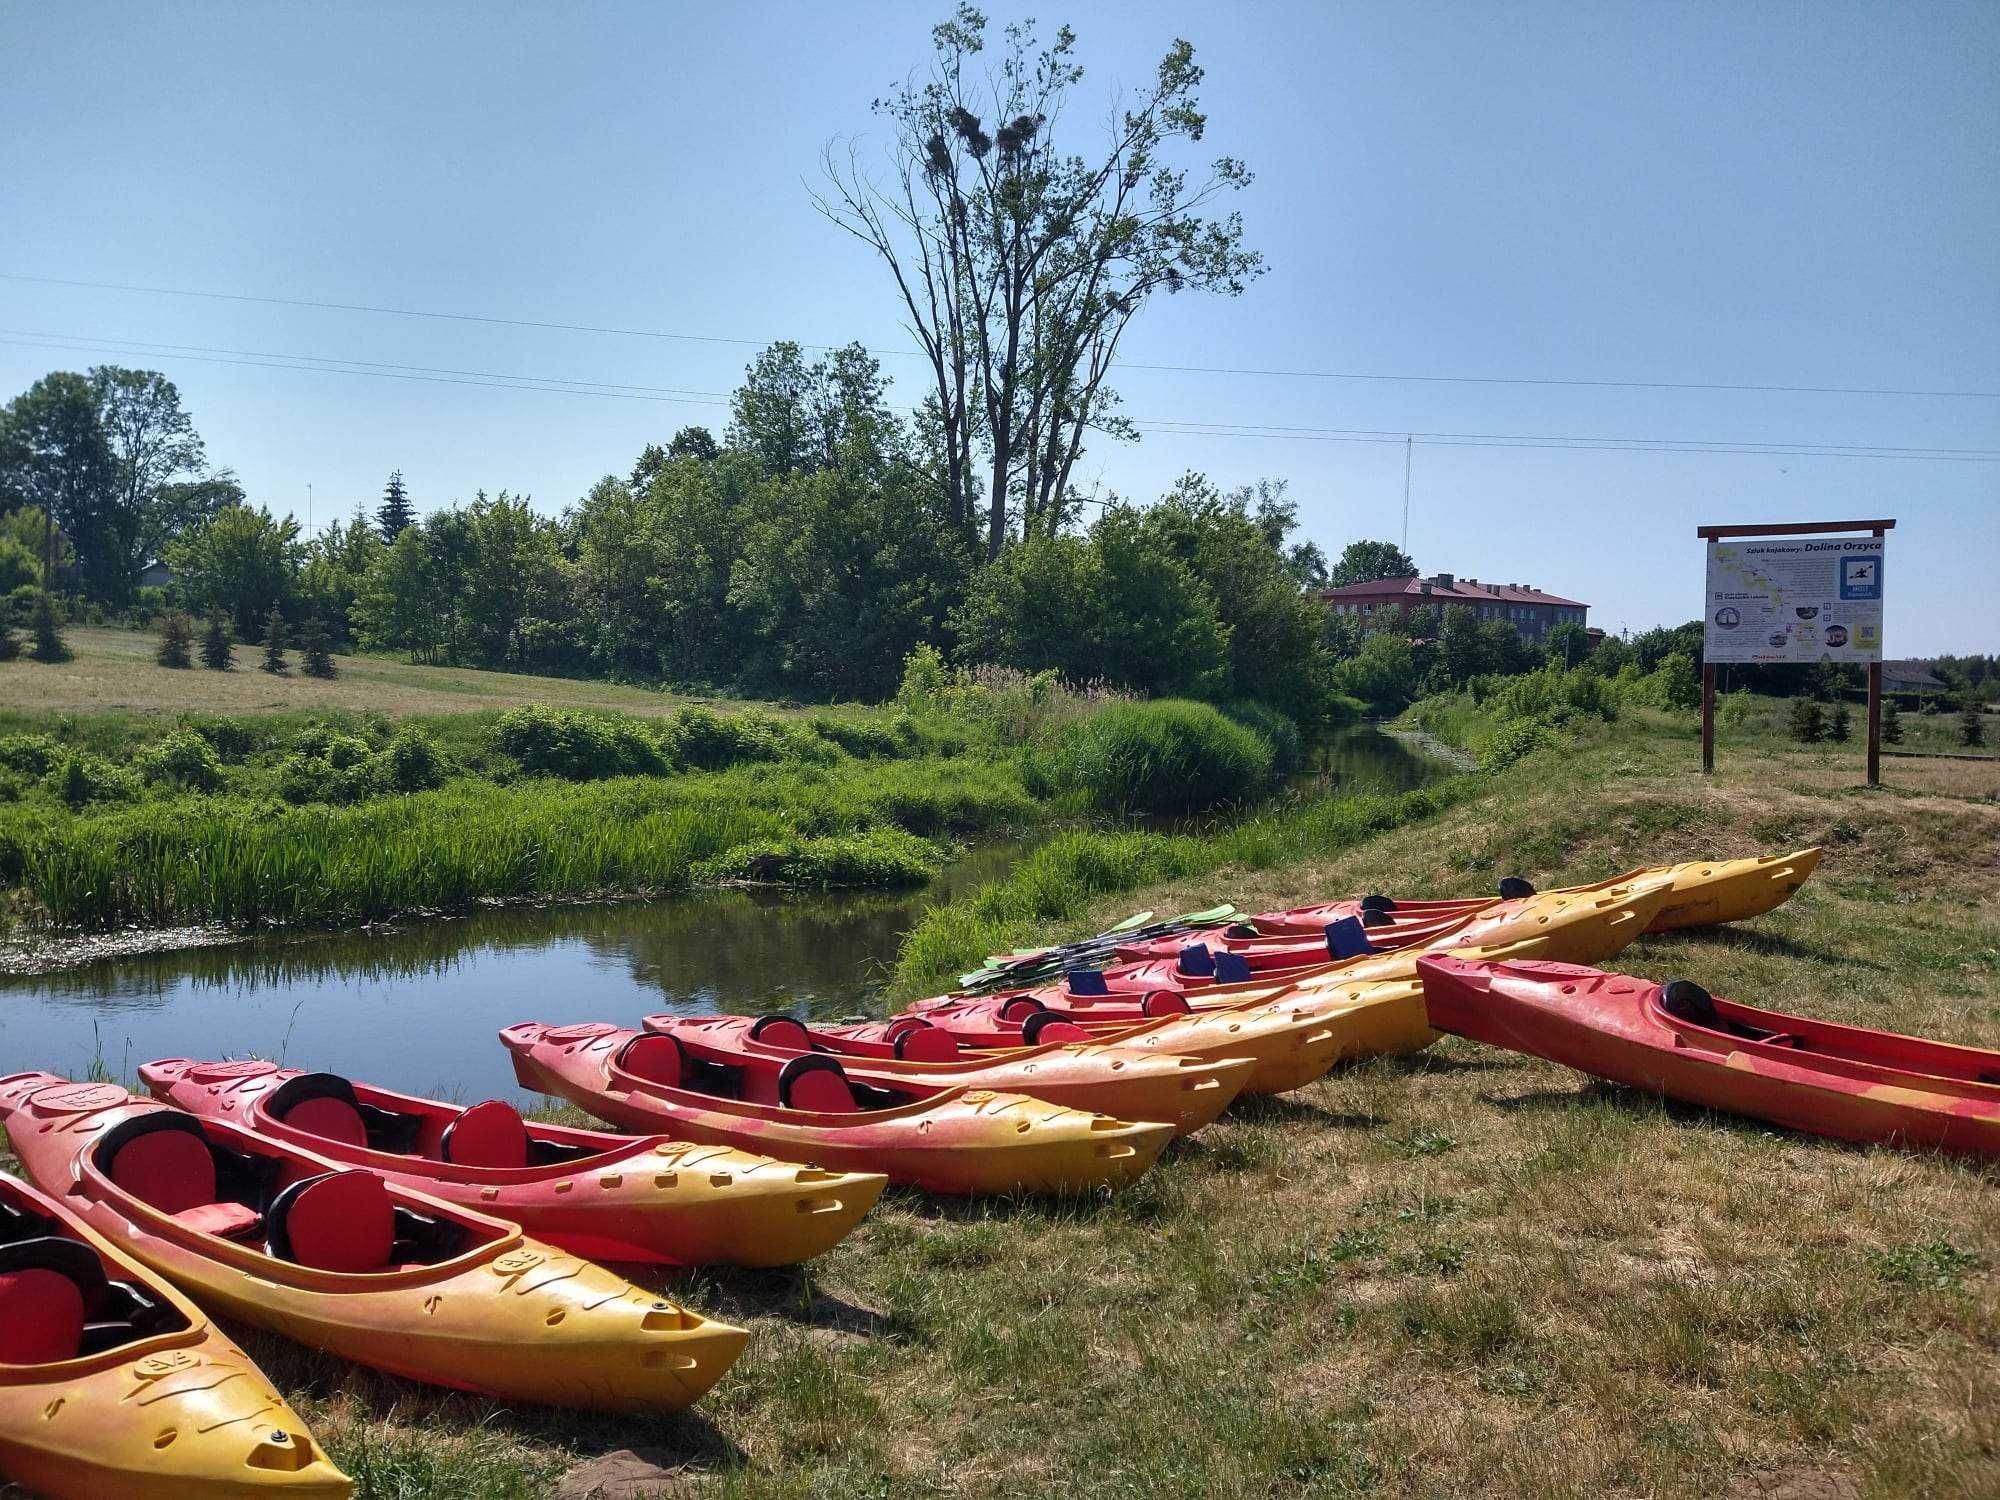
column 1678, row 1040
column 606, row 1196
column 1184, row 1092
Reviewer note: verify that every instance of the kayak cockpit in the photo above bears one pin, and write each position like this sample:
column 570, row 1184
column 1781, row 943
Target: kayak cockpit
column 220, row 1187
column 491, row 1135
column 58, row 1298
column 809, row 1082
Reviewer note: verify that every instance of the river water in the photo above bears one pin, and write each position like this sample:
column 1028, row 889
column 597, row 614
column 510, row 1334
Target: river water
column 415, row 1007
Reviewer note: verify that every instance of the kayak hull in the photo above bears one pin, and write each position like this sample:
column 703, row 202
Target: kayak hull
column 954, row 1142
column 506, row 1316
column 652, row 1201
column 1183, row 1091
column 1844, row 1082
column 180, row 1414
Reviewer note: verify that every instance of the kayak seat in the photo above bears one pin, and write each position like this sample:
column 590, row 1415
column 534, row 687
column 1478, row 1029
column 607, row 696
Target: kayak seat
column 1374, row 916
column 490, row 1134
column 1196, row 961
column 1047, row 1029
column 1514, row 888
column 1346, row 938
column 337, row 1221
column 1687, row 1001
column 321, row 1104
column 926, row 1044
column 41, row 1317
column 1231, row 968
column 1155, row 1003
column 1240, row 930
column 813, row 1081
column 1085, row 982
column 781, row 1031
column 655, row 1058
column 1375, row 902
column 227, row 1221
column 163, row 1159
column 1020, row 1008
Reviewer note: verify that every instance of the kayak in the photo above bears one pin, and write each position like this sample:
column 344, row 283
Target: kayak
column 1677, row 1040
column 1702, row 893
column 947, row 1140
column 1184, row 1092
column 1008, row 970
column 113, row 1383
column 609, row 1197
column 364, row 1268
column 1576, row 927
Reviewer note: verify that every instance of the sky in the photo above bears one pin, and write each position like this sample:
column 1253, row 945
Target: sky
column 1746, row 194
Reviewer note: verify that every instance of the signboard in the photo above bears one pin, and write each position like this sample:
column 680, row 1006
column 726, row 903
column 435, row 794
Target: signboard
column 1799, row 599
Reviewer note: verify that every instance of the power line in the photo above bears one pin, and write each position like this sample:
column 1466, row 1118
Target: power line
column 670, row 395
column 1771, row 388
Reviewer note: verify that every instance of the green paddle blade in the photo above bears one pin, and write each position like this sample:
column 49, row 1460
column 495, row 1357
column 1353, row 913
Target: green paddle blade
column 1137, row 919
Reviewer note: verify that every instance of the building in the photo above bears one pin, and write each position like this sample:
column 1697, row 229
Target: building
column 155, row 575
column 1914, row 680
column 1532, row 613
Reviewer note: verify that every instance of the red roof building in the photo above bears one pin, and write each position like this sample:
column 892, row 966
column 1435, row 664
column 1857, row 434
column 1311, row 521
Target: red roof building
column 1529, row 610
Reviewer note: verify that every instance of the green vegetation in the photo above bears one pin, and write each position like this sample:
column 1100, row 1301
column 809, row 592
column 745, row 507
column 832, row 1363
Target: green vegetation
column 1161, row 757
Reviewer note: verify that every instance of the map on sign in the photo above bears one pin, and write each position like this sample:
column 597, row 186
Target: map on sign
column 1806, row 599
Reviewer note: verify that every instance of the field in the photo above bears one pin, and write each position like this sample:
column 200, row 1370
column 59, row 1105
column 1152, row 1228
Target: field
column 1459, row 1273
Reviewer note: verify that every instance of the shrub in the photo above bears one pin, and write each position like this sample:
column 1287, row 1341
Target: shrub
column 316, row 651
column 1515, row 739
column 217, row 654
column 176, row 648
column 1837, row 724
column 1971, row 727
column 231, row 739
column 30, row 754
column 1551, row 695
column 1169, row 756
column 10, row 644
column 867, row 738
column 1735, row 710
column 274, row 644
column 1806, row 721
column 702, row 740
column 83, row 779
column 1892, row 722
column 577, row 746
column 182, row 759
column 1278, row 729
column 46, row 625
column 411, row 761
column 876, row 857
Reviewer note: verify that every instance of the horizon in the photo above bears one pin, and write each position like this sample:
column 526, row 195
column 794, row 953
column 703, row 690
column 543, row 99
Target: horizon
column 1629, row 196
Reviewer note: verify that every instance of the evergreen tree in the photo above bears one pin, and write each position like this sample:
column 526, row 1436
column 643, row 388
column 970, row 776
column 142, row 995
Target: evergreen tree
column 1971, row 727
column 47, row 626
column 1892, row 722
column 217, row 654
column 1837, row 727
column 1808, row 724
column 176, row 647
column 315, row 650
column 394, row 516
column 10, row 644
column 274, row 643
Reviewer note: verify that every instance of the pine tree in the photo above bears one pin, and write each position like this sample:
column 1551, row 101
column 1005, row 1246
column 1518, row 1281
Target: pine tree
column 315, row 650
column 1808, row 726
column 217, row 654
column 49, row 642
column 1971, row 727
column 176, row 647
column 1892, row 722
column 394, row 516
column 274, row 643
column 10, row 644
column 1837, row 726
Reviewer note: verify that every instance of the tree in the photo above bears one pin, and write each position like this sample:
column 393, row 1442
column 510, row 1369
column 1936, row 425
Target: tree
column 1367, row 562
column 394, row 515
column 1567, row 645
column 1807, row 721
column 696, row 443
column 1838, row 725
column 315, row 651
column 176, row 648
column 516, row 587
column 10, row 644
column 274, row 643
column 242, row 560
column 1971, row 726
column 46, row 626
column 55, row 456
column 1020, row 262
column 798, row 417
column 217, row 654
column 149, row 504
column 1892, row 722
column 405, row 603
column 1383, row 675
column 336, row 568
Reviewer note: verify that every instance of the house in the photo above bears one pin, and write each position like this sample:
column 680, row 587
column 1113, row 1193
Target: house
column 155, row 575
column 1913, row 679
column 1531, row 612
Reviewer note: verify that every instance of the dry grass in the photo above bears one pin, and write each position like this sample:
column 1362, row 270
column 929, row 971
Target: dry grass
column 113, row 670
column 1463, row 1273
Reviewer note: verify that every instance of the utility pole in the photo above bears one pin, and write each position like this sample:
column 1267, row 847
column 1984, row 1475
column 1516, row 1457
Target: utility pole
column 1409, row 446
column 309, row 510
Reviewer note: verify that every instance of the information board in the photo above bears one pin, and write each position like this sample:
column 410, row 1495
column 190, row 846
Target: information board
column 1797, row 599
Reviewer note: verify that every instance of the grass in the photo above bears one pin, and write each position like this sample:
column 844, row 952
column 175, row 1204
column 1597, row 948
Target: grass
column 1462, row 1273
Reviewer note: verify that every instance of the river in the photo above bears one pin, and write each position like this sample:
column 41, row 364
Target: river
column 414, row 1006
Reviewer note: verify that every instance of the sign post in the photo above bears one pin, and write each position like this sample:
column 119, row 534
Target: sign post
column 1798, row 591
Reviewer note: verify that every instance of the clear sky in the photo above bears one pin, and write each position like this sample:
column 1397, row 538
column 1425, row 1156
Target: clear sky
column 1801, row 194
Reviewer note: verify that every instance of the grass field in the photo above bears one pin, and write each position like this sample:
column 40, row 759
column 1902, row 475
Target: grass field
column 1459, row 1273
column 113, row 670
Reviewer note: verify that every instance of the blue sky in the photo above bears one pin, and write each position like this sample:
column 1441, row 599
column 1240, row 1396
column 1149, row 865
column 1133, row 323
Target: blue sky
column 1756, row 194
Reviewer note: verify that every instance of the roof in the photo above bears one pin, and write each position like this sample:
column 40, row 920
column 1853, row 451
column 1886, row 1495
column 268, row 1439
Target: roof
column 1458, row 591
column 1913, row 674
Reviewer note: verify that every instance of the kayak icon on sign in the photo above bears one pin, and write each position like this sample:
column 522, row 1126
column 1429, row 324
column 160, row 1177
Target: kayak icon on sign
column 1861, row 577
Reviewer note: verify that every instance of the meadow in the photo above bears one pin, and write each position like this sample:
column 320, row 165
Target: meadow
column 1460, row 1272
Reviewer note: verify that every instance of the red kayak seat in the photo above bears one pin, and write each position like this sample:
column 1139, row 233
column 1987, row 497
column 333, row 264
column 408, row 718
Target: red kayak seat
column 163, row 1159
column 321, row 1104
column 337, row 1221
column 490, row 1134
column 1046, row 1029
column 656, row 1058
column 1156, row 1003
column 813, row 1081
column 781, row 1031
column 41, row 1317
column 926, row 1044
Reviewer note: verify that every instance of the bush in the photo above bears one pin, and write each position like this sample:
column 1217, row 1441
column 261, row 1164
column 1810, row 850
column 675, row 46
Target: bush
column 701, row 740
column 1735, row 710
column 1892, row 722
column 1806, row 721
column 868, row 738
column 217, row 654
column 1837, row 724
column 1515, row 739
column 876, row 857
column 30, row 754
column 1170, row 756
column 231, row 739
column 183, row 759
column 1278, row 730
column 83, row 779
column 316, row 650
column 1552, row 696
column 411, row 762
column 176, row 648
column 1971, row 727
column 45, row 622
column 274, row 644
column 308, row 778
column 578, row 746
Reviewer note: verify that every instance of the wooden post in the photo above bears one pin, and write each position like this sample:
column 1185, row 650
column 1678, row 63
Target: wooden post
column 1874, row 723
column 1708, row 718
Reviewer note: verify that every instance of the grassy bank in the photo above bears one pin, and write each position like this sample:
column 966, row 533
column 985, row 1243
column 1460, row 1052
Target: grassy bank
column 1462, row 1273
